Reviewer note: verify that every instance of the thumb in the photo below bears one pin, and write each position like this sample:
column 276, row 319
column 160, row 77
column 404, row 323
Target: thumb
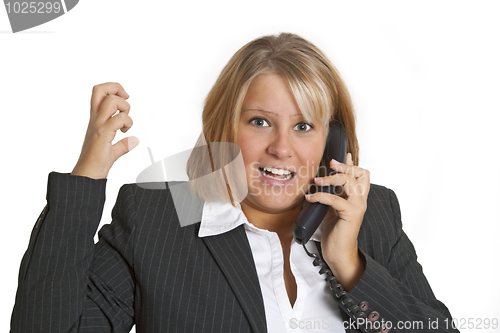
column 125, row 145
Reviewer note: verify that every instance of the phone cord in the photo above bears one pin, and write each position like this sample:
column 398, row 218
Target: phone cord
column 345, row 302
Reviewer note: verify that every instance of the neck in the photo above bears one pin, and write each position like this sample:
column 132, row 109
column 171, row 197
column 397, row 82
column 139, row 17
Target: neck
column 280, row 222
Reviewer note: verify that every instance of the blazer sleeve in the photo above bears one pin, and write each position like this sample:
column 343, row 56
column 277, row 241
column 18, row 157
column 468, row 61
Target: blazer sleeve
column 393, row 288
column 66, row 283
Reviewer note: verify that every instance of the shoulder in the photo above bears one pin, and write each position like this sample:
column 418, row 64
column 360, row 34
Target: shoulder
column 153, row 190
column 172, row 200
column 380, row 194
column 381, row 227
column 382, row 202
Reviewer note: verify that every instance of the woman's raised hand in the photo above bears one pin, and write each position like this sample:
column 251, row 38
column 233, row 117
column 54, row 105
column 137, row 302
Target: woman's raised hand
column 339, row 240
column 98, row 153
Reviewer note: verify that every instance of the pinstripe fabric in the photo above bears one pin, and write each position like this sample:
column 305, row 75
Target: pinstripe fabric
column 148, row 271
column 393, row 283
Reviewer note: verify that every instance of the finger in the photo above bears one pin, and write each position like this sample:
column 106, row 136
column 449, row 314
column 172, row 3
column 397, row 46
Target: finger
column 338, row 203
column 353, row 170
column 338, row 179
column 109, row 106
column 354, row 189
column 121, row 121
column 349, row 159
column 342, row 182
column 101, row 91
column 124, row 146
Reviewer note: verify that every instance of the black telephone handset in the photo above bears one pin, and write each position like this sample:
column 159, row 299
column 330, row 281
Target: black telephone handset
column 312, row 214
column 310, row 218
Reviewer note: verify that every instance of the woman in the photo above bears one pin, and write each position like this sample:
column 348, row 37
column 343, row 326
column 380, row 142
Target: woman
column 239, row 268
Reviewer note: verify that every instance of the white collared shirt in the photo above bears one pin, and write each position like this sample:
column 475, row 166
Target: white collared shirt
column 315, row 309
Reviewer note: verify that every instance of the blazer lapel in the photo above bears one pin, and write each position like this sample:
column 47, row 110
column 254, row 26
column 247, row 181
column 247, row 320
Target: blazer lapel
column 232, row 252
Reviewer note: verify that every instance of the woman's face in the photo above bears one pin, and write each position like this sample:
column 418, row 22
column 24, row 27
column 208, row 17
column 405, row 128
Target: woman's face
column 281, row 151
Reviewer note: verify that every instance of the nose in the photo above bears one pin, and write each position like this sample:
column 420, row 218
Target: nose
column 281, row 145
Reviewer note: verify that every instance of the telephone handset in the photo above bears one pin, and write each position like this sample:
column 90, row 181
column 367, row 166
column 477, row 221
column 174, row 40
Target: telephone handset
column 312, row 214
column 310, row 218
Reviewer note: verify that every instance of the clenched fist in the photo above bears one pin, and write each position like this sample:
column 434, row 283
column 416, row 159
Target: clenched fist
column 98, row 153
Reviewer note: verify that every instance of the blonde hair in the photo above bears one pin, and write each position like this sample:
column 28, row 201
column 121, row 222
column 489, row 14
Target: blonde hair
column 315, row 83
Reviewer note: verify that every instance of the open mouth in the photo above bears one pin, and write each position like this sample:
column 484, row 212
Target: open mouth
column 277, row 174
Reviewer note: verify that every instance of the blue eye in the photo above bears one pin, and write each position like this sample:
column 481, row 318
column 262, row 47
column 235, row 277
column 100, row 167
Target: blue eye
column 303, row 127
column 259, row 122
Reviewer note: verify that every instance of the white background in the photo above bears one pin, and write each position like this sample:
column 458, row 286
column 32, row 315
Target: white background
column 424, row 78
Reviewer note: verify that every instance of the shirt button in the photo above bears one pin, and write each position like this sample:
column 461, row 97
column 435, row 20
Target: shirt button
column 363, row 305
column 373, row 315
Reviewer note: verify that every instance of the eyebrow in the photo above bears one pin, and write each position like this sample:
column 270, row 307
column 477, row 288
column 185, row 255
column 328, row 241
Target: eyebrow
column 253, row 109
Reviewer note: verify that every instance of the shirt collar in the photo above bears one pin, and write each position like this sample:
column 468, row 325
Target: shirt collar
column 220, row 217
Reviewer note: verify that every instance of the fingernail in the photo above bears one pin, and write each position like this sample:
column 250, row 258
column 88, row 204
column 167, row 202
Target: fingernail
column 317, row 178
column 308, row 196
column 335, row 161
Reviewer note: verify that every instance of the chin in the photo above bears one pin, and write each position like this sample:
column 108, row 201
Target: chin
column 275, row 202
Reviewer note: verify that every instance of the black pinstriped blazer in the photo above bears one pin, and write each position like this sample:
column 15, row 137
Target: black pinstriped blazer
column 149, row 271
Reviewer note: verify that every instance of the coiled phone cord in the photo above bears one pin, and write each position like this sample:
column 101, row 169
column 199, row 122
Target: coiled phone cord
column 345, row 302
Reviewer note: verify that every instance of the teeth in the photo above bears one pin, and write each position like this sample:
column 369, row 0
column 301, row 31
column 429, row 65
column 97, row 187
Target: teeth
column 278, row 171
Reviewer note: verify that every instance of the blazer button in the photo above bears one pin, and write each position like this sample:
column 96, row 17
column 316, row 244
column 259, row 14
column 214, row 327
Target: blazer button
column 363, row 305
column 373, row 315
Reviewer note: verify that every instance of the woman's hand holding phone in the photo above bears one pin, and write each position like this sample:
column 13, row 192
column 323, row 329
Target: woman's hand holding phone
column 339, row 243
column 98, row 153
